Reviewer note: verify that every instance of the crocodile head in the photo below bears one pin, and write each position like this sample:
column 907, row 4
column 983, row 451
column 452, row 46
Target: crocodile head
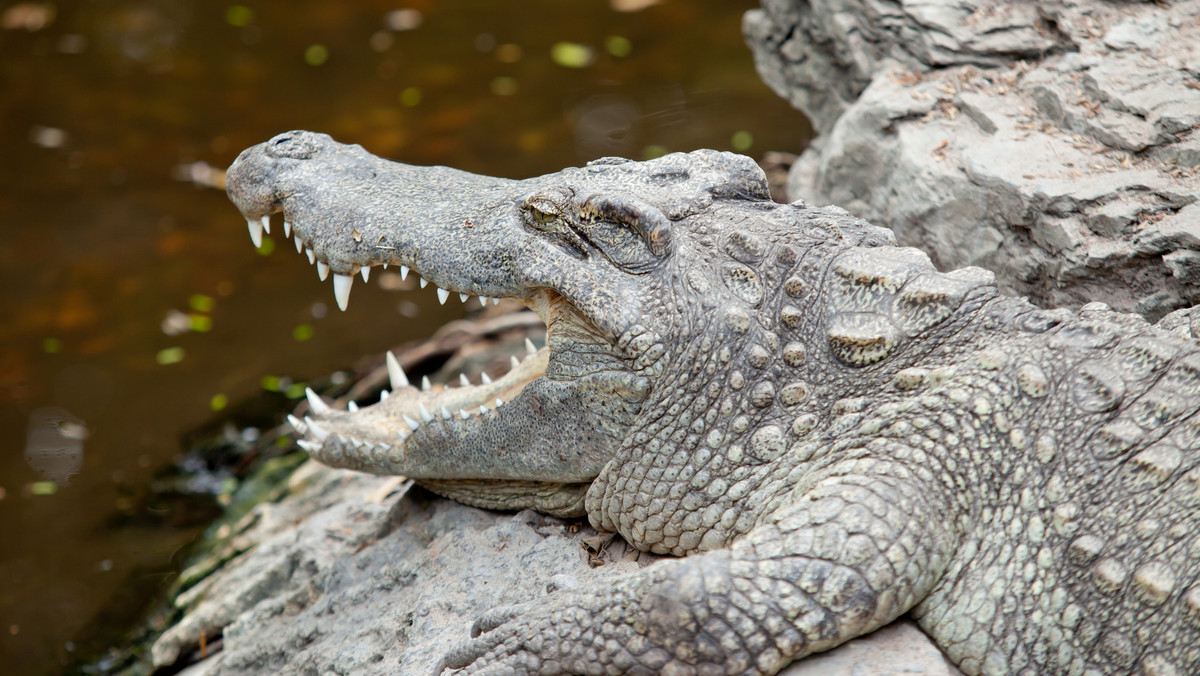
column 610, row 255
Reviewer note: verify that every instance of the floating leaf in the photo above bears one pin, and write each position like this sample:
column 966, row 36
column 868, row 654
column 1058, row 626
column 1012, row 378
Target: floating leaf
column 43, row 488
column 239, row 15
column 572, row 54
column 741, row 140
column 618, row 46
column 201, row 303
column 316, row 55
column 170, row 355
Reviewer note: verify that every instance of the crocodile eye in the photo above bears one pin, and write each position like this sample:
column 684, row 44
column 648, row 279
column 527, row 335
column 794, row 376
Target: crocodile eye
column 543, row 216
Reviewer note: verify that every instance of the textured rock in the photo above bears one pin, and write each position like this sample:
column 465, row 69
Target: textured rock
column 1052, row 142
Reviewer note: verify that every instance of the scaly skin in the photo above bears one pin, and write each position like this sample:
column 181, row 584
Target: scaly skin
column 832, row 432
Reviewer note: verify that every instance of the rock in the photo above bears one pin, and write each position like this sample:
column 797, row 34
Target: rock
column 898, row 649
column 1052, row 142
column 366, row 575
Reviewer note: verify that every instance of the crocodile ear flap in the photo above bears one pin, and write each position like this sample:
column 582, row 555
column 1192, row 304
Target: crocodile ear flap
column 644, row 219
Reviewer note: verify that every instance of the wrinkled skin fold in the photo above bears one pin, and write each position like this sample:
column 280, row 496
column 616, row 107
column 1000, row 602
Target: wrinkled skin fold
column 827, row 429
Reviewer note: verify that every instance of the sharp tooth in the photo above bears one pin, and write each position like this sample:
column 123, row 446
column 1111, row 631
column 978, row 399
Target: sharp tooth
column 443, row 295
column 266, row 223
column 403, row 272
column 395, row 373
column 352, row 406
column 529, row 347
column 462, row 378
column 312, row 256
column 402, row 434
column 425, row 414
column 255, row 232
column 386, row 448
column 299, row 243
column 366, row 272
column 495, row 301
column 359, row 443
column 425, row 384
column 483, row 410
column 462, row 413
column 424, row 282
column 316, row 403
column 384, row 394
column 483, row 301
column 515, row 362
column 385, row 266
column 499, row 403
column 287, row 228
column 310, row 446
column 487, row 380
column 412, row 424
column 445, row 413
column 296, row 423
column 322, row 270
column 316, row 430
column 463, row 297
column 341, row 289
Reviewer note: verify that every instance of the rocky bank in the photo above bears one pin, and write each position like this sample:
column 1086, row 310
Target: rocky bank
column 1054, row 142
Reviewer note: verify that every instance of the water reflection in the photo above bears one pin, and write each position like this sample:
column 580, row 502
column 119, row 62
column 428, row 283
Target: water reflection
column 54, row 445
column 134, row 306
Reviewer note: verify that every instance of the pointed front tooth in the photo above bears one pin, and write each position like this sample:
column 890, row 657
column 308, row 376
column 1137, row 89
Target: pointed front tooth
column 462, row 413
column 425, row 384
column 385, row 266
column 395, row 373
column 322, row 270
column 310, row 446
column 384, row 394
column 499, row 403
column 487, row 380
column 255, row 232
column 318, row 432
column 424, row 282
column 463, row 297
column 529, row 347
column 483, row 300
column 425, row 414
column 412, row 424
column 445, row 413
column 483, row 410
column 312, row 256
column 296, row 423
column 341, row 289
column 403, row 272
column 366, row 272
column 514, row 361
column 316, row 403
column 443, row 295
column 266, row 223
column 462, row 379
column 299, row 243
column 352, row 406
column 287, row 228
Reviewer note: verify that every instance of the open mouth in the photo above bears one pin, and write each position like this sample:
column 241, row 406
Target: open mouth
column 376, row 437
column 557, row 415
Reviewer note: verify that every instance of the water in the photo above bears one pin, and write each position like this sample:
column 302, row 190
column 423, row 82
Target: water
column 134, row 305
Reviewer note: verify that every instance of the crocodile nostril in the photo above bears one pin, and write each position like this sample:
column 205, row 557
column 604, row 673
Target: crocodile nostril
column 297, row 145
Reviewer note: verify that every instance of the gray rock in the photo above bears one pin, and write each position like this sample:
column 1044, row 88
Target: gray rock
column 1052, row 142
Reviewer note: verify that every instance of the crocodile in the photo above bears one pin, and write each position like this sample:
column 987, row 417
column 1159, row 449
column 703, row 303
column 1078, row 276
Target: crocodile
column 826, row 431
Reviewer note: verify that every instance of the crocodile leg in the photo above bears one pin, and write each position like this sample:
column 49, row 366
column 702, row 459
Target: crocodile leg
column 837, row 561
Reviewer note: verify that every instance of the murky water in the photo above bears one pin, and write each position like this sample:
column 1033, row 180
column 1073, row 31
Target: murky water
column 134, row 305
